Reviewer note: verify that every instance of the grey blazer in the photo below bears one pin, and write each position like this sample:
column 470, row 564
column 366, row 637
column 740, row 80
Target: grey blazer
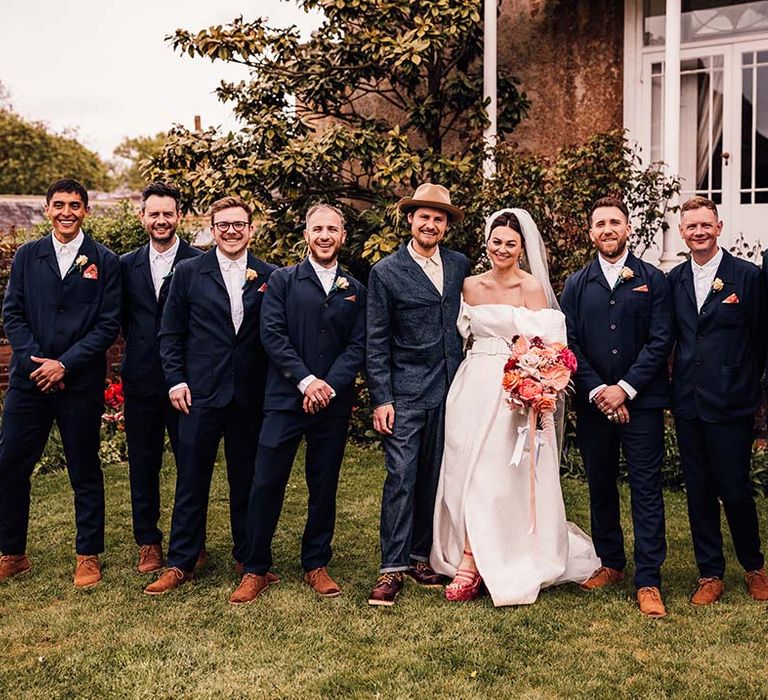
column 413, row 345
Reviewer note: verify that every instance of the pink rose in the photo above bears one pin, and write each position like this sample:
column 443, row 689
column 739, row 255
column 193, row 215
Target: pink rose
column 556, row 376
column 569, row 359
column 529, row 390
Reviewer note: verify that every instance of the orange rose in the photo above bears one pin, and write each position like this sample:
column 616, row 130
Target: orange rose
column 510, row 380
column 546, row 404
column 556, row 376
column 529, row 390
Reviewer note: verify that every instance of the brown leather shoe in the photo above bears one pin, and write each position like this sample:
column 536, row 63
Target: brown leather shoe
column 14, row 564
column 169, row 579
column 602, row 577
column 319, row 580
column 757, row 584
column 651, row 604
column 150, row 558
column 249, row 589
column 709, row 591
column 272, row 579
column 386, row 589
column 425, row 575
column 87, row 571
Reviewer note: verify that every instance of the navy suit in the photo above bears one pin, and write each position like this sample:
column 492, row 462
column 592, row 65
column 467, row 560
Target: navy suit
column 719, row 361
column 305, row 332
column 413, row 352
column 73, row 320
column 624, row 333
column 148, row 410
column 225, row 372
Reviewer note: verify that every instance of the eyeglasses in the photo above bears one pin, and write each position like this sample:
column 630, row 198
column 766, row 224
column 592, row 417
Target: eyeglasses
column 224, row 226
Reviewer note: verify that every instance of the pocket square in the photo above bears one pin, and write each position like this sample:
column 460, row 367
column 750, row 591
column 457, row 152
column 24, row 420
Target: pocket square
column 353, row 297
column 641, row 288
column 731, row 299
column 91, row 272
column 263, row 288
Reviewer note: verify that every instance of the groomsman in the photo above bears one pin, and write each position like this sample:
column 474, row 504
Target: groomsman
column 146, row 274
column 720, row 310
column 619, row 319
column 215, row 369
column 413, row 352
column 61, row 314
column 313, row 329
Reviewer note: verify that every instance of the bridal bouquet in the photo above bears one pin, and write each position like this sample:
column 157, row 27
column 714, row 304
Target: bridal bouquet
column 536, row 373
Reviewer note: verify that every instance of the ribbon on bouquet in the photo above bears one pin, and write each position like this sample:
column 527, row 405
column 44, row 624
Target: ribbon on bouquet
column 534, row 438
column 523, row 443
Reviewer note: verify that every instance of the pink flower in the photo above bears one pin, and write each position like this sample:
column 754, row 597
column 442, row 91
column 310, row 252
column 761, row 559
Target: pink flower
column 546, row 403
column 569, row 360
column 529, row 390
column 557, row 376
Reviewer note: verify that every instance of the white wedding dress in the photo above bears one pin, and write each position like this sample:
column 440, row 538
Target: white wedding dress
column 481, row 490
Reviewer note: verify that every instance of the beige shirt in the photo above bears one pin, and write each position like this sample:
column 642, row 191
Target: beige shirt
column 433, row 266
column 160, row 264
column 704, row 276
column 67, row 252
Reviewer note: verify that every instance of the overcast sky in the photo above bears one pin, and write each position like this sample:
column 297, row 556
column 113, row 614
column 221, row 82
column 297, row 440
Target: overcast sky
column 103, row 68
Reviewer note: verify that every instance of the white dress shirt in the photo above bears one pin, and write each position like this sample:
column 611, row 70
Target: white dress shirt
column 161, row 263
column 432, row 266
column 704, row 276
column 66, row 253
column 233, row 272
column 611, row 272
column 327, row 276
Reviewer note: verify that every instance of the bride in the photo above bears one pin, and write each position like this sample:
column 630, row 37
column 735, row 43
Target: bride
column 488, row 526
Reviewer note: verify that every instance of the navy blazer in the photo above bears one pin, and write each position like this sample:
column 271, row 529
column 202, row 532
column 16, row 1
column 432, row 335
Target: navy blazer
column 198, row 343
column 73, row 320
column 141, row 371
column 305, row 331
column 414, row 347
column 720, row 352
column 624, row 333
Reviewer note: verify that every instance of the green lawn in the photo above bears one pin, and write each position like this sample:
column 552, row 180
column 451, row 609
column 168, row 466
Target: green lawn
column 56, row 642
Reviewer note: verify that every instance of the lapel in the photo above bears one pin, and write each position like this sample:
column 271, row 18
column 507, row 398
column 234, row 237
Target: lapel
column 306, row 271
column 686, row 281
column 633, row 264
column 210, row 266
column 181, row 254
column 724, row 273
column 418, row 275
column 45, row 250
column 142, row 266
column 450, row 270
column 595, row 274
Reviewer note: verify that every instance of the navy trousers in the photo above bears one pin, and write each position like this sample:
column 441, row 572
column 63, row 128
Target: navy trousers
column 412, row 455
column 146, row 420
column 27, row 420
column 200, row 433
column 642, row 442
column 326, row 437
column 716, row 459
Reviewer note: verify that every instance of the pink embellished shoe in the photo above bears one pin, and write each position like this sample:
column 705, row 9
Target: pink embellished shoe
column 466, row 585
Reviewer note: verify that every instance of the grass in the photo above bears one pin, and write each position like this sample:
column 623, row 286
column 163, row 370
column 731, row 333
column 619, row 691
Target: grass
column 114, row 642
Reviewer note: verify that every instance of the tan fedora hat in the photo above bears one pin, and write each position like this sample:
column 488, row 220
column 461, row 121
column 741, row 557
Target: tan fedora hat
column 432, row 196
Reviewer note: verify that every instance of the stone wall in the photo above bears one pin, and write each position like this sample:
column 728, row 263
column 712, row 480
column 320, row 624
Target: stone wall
column 568, row 55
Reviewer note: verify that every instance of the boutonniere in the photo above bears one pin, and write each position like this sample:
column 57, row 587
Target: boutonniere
column 731, row 299
column 625, row 274
column 91, row 272
column 717, row 285
column 250, row 276
column 80, row 262
column 340, row 283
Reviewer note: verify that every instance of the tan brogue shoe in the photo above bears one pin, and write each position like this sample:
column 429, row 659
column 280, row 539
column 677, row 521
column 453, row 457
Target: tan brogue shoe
column 272, row 579
column 14, row 564
column 150, row 558
column 651, row 604
column 319, row 580
column 170, row 579
column 602, row 577
column 709, row 591
column 87, row 571
column 757, row 584
column 249, row 589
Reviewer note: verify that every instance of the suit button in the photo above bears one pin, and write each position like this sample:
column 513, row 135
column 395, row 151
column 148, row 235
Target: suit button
column 699, row 337
column 612, row 302
column 321, row 354
column 614, row 351
column 61, row 309
column 698, row 362
column 698, row 386
column 322, row 330
column 613, row 326
column 325, row 305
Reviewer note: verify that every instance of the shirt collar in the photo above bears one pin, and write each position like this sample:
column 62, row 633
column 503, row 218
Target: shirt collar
column 224, row 262
column 435, row 258
column 75, row 243
column 709, row 266
column 320, row 270
column 170, row 253
column 607, row 265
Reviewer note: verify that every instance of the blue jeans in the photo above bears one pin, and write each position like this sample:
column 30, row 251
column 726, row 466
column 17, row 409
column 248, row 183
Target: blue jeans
column 412, row 455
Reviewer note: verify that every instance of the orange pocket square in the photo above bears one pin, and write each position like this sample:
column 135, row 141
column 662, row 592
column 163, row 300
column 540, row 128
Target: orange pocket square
column 641, row 288
column 91, row 272
column 351, row 298
column 731, row 299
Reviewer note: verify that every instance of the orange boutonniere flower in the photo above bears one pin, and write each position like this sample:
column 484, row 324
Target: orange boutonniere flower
column 250, row 276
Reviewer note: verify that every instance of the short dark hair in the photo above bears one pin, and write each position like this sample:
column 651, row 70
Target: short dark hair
column 160, row 189
column 610, row 201
column 230, row 203
column 68, row 185
column 699, row 203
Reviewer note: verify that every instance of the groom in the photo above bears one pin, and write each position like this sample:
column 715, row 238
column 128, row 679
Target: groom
column 618, row 314
column 413, row 351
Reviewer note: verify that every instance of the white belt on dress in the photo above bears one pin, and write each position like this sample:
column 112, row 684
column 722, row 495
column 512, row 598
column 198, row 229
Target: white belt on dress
column 489, row 346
